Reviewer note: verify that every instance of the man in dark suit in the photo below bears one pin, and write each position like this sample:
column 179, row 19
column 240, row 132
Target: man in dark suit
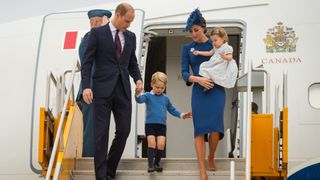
column 98, row 17
column 112, row 49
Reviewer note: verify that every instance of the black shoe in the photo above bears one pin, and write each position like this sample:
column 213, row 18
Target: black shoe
column 151, row 169
column 158, row 168
column 104, row 178
column 110, row 176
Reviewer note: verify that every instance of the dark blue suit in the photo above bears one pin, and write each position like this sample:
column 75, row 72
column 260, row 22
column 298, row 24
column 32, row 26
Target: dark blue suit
column 111, row 92
column 86, row 109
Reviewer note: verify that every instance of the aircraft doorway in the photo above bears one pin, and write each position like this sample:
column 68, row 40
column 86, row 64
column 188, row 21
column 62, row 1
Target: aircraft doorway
column 164, row 54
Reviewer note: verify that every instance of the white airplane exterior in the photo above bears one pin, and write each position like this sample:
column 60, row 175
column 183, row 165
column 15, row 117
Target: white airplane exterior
column 281, row 35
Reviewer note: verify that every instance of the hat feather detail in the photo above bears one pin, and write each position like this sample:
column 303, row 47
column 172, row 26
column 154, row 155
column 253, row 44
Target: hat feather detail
column 194, row 18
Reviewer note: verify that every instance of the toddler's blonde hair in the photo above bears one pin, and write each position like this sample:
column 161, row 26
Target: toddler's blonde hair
column 159, row 76
column 219, row 31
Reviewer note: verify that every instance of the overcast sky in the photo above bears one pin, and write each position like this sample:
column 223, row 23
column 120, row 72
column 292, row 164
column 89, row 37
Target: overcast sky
column 11, row 10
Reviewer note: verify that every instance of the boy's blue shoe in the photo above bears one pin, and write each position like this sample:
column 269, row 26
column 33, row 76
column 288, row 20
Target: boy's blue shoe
column 158, row 168
column 151, row 169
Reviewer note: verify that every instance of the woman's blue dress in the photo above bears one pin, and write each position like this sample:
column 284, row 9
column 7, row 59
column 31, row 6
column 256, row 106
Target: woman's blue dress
column 207, row 106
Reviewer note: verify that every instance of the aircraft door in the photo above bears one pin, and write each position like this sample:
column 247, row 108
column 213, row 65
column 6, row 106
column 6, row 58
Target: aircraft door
column 60, row 37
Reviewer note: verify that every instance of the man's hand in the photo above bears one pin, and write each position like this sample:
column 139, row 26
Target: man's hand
column 87, row 95
column 139, row 87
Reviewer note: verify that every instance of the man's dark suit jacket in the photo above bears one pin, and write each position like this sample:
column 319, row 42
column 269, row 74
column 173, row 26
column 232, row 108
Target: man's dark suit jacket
column 101, row 50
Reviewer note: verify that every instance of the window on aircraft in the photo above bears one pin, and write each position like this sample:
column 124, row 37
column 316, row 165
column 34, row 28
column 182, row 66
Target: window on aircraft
column 314, row 95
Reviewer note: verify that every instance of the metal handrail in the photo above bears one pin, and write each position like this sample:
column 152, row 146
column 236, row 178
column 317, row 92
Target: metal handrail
column 248, row 125
column 267, row 89
column 285, row 89
column 58, row 134
column 275, row 119
column 50, row 78
column 63, row 82
column 232, row 170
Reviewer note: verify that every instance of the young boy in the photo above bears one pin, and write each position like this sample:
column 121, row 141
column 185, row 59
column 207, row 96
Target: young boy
column 157, row 104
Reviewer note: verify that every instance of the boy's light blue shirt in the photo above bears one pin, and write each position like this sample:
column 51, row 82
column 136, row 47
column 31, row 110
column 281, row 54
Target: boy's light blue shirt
column 157, row 107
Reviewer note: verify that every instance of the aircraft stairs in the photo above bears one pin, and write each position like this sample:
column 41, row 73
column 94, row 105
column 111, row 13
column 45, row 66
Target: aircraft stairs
column 174, row 169
column 60, row 145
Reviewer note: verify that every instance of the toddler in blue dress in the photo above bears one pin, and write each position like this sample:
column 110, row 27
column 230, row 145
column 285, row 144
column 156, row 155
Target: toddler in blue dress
column 157, row 105
column 221, row 67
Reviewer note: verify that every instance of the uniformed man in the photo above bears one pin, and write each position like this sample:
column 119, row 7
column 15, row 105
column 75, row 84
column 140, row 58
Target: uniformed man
column 98, row 17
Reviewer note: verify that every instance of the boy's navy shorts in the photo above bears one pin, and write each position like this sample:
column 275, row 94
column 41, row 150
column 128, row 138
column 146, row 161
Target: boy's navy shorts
column 155, row 129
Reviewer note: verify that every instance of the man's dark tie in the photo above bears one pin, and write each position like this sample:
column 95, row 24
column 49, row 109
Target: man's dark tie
column 117, row 45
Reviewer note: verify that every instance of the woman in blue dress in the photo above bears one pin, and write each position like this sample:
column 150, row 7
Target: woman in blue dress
column 207, row 106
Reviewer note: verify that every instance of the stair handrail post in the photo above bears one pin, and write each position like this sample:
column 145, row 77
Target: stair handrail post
column 248, row 124
column 63, row 90
column 58, row 96
column 232, row 170
column 50, row 77
column 267, row 87
column 276, row 120
column 64, row 77
column 47, row 100
column 285, row 89
column 58, row 134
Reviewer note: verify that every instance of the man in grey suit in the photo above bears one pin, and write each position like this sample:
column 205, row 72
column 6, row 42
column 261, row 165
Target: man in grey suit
column 112, row 49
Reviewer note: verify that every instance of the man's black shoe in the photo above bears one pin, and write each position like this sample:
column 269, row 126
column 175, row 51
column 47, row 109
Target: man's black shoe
column 104, row 178
column 109, row 177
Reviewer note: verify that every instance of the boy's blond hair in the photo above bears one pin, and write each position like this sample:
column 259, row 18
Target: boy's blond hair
column 159, row 76
column 219, row 31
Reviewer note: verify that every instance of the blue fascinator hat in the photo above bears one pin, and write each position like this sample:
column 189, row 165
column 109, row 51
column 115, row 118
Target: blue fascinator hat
column 195, row 18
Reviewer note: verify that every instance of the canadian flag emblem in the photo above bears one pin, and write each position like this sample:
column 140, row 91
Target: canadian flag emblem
column 70, row 40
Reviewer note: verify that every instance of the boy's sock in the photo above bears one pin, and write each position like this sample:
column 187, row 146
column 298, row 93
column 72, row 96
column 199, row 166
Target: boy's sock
column 157, row 160
column 151, row 155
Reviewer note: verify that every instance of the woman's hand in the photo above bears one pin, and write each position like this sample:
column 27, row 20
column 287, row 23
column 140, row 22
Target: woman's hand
column 205, row 82
column 187, row 115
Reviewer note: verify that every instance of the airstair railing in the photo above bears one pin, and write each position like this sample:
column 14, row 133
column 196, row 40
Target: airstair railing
column 247, row 112
column 146, row 39
column 276, row 119
column 64, row 80
column 284, row 126
column 232, row 170
column 285, row 89
column 248, row 124
column 50, row 78
column 267, row 88
column 57, row 82
column 59, row 130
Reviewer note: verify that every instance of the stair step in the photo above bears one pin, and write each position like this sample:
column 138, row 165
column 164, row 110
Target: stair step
column 165, row 175
column 172, row 164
